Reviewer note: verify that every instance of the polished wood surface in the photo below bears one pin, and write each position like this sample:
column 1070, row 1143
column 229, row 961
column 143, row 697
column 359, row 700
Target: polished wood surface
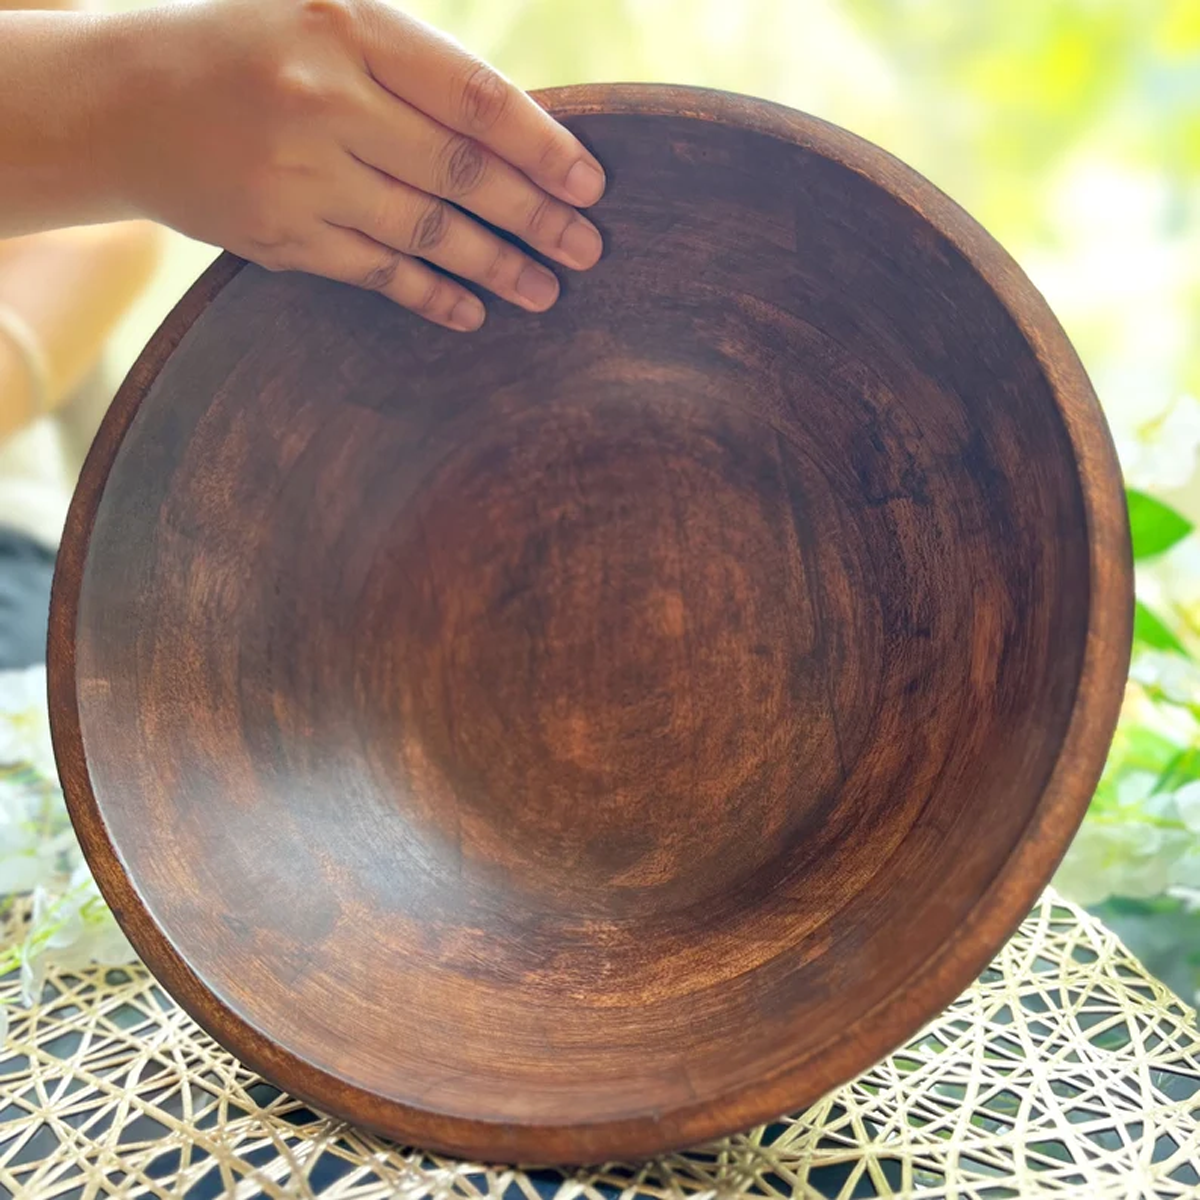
column 623, row 724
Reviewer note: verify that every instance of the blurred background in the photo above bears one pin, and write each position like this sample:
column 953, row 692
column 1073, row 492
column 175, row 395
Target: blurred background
column 1071, row 130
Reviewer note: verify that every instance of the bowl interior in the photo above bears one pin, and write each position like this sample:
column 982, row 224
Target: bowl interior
column 586, row 720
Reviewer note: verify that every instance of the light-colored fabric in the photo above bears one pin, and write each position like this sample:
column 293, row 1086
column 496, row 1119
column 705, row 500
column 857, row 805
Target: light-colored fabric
column 34, row 489
column 39, row 464
column 18, row 333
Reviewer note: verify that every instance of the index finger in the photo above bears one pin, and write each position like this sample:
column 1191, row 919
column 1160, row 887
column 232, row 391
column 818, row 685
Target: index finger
column 435, row 74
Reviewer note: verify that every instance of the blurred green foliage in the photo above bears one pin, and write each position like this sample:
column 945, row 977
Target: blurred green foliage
column 1154, row 526
column 1137, row 857
column 997, row 101
column 1039, row 78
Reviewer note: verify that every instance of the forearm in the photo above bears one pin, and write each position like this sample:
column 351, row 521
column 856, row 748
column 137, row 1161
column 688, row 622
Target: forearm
column 65, row 97
column 334, row 136
column 69, row 287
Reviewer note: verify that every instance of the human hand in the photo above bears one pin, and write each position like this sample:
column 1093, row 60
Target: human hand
column 344, row 138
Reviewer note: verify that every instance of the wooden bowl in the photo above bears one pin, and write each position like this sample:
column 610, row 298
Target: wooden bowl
column 614, row 728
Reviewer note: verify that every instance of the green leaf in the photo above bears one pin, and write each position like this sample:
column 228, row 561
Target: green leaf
column 1147, row 750
column 1155, row 526
column 1148, row 630
column 1183, row 768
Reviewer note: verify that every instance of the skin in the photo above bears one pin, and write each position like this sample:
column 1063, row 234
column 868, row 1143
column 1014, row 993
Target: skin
column 70, row 286
column 338, row 137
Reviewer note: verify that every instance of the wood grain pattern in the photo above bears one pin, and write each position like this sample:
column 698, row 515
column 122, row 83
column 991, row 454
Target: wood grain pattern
column 624, row 724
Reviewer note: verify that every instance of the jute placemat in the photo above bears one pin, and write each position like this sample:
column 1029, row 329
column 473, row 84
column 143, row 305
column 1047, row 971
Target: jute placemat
column 1065, row 1071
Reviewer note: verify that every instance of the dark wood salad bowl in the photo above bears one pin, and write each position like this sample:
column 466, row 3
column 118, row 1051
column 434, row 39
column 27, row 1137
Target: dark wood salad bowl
column 619, row 726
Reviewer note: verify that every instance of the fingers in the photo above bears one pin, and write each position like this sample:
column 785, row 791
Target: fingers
column 421, row 225
column 409, row 146
column 439, row 77
column 351, row 257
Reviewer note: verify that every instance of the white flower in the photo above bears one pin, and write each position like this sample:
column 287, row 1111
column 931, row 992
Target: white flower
column 69, row 930
column 1189, row 895
column 1187, row 801
column 1127, row 857
column 22, row 690
column 33, row 822
column 108, row 946
column 37, row 844
column 1135, row 787
column 25, row 870
column 70, row 926
column 1185, row 870
column 1176, row 677
column 25, row 721
column 1161, row 454
column 1169, row 585
column 1084, row 875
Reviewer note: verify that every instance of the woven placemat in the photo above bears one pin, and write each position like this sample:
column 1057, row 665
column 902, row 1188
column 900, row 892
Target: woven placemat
column 1065, row 1071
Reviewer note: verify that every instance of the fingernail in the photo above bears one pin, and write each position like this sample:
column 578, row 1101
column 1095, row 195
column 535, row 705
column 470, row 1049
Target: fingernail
column 538, row 286
column 585, row 183
column 467, row 314
column 580, row 244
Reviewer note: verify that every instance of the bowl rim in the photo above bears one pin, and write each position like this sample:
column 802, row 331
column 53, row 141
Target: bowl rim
column 932, row 983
